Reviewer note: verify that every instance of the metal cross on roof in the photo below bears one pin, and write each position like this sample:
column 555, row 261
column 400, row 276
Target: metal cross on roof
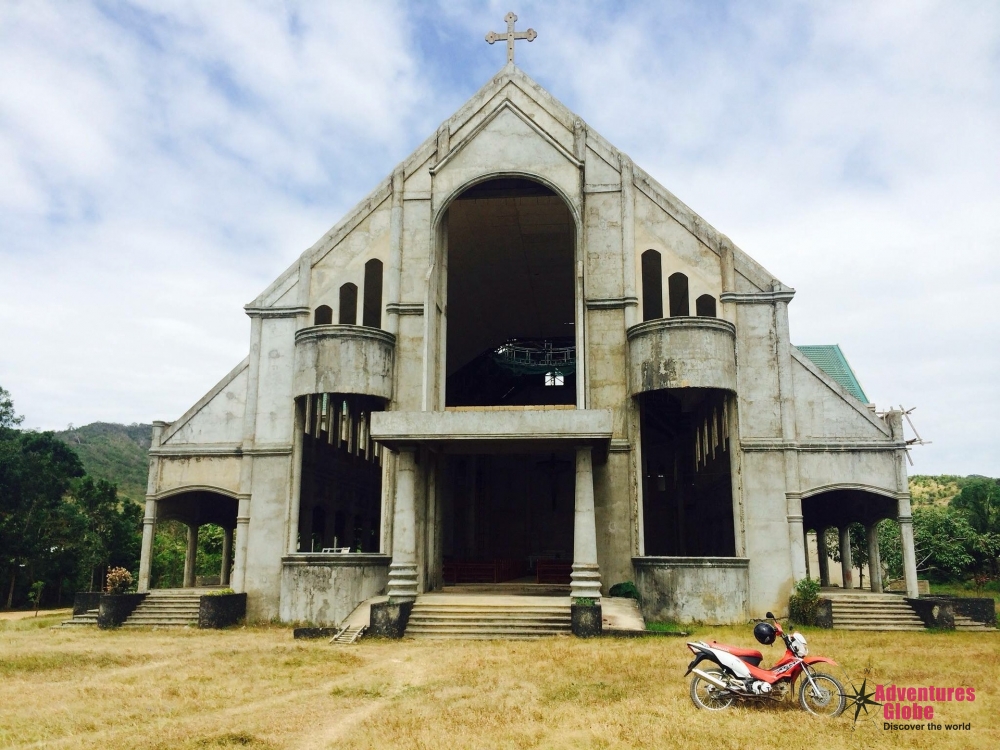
column 511, row 35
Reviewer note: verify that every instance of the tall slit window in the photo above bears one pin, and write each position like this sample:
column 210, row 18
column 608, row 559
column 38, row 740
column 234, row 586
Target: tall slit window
column 371, row 315
column 652, row 286
column 323, row 316
column 677, row 286
column 705, row 306
column 349, row 304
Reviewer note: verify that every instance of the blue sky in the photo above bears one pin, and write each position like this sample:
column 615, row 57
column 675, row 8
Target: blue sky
column 161, row 163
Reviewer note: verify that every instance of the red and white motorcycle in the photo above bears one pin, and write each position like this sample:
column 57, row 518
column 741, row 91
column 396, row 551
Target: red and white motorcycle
column 738, row 676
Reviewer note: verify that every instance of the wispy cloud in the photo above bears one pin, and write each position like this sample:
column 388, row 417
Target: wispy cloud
column 162, row 163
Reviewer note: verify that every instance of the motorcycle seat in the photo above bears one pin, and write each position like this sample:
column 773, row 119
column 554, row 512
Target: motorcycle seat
column 749, row 655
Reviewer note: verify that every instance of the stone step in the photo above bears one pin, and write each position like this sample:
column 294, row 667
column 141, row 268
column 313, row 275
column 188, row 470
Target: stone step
column 874, row 627
column 909, row 616
column 967, row 624
column 483, row 633
column 167, row 608
column 159, row 621
column 436, row 609
column 557, row 616
column 490, row 624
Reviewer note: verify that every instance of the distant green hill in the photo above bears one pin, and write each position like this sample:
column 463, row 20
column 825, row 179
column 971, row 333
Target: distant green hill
column 115, row 452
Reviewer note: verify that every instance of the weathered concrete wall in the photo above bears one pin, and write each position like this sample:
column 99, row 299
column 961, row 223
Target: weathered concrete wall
column 693, row 589
column 325, row 589
column 178, row 472
column 217, row 418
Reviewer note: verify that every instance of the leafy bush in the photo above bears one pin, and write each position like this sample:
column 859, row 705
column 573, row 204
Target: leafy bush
column 119, row 581
column 626, row 590
column 583, row 601
column 803, row 603
column 219, row 592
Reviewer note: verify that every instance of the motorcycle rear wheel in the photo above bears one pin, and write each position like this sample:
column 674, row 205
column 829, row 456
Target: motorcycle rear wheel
column 828, row 702
column 708, row 696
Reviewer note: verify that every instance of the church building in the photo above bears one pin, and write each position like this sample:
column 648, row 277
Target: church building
column 521, row 358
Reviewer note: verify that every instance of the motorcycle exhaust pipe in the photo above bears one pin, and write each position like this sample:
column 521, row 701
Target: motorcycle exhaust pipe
column 711, row 679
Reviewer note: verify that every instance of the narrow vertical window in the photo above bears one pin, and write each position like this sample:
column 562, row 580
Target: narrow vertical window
column 705, row 306
column 371, row 315
column 349, row 304
column 652, row 286
column 677, row 286
column 323, row 316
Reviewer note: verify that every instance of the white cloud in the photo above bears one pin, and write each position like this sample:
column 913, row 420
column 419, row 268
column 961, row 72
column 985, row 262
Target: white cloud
column 162, row 164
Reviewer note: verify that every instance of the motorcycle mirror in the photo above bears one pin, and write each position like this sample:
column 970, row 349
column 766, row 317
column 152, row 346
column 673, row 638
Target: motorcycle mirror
column 769, row 616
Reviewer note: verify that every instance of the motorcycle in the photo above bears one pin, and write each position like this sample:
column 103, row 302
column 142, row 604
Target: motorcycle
column 738, row 676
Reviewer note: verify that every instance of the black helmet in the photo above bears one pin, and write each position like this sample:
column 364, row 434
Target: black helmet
column 764, row 632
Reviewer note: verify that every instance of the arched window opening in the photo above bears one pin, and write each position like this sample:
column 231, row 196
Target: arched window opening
column 349, row 304
column 677, row 286
column 323, row 316
column 705, row 306
column 371, row 315
column 652, row 286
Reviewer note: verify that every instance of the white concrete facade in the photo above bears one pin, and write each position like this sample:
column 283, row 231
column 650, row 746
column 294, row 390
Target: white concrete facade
column 795, row 437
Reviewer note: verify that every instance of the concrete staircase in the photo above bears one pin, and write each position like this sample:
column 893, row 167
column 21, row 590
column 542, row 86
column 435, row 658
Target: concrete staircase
column 167, row 608
column 87, row 618
column 867, row 611
column 488, row 617
column 349, row 634
column 967, row 624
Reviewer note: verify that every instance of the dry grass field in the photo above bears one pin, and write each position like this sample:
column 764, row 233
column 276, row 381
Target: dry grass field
column 257, row 688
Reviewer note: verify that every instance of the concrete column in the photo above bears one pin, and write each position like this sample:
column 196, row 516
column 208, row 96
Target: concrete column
column 146, row 555
column 796, row 537
column 824, row 557
column 845, row 557
column 403, row 569
column 585, row 580
column 874, row 560
column 909, row 553
column 242, row 533
column 628, row 242
column 227, row 556
column 805, row 544
column 191, row 557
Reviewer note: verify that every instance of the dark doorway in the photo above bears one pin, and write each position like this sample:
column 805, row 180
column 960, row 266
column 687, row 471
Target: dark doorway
column 508, row 517
column 511, row 297
column 687, row 490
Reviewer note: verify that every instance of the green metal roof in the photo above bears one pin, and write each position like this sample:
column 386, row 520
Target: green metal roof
column 832, row 361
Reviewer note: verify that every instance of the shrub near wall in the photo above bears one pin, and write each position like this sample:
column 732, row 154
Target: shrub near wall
column 804, row 603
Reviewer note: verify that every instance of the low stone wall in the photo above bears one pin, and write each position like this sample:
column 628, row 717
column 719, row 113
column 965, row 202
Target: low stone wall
column 824, row 613
column 712, row 590
column 979, row 609
column 389, row 619
column 221, row 610
column 115, row 609
column 323, row 589
column 936, row 613
column 84, row 601
column 586, row 620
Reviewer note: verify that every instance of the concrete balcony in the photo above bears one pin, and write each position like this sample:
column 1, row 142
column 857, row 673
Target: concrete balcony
column 682, row 353
column 344, row 359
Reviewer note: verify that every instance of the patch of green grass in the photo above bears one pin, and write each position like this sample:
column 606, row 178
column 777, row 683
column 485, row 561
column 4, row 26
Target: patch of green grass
column 367, row 692
column 52, row 661
column 34, row 623
column 667, row 627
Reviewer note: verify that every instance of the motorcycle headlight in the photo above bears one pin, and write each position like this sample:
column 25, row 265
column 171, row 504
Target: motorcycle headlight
column 799, row 647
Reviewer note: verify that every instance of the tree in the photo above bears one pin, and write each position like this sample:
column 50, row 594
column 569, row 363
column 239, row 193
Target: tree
column 113, row 534
column 8, row 418
column 859, row 548
column 944, row 542
column 35, row 474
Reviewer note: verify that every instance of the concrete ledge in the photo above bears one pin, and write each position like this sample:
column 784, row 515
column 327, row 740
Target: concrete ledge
column 712, row 590
column 688, row 352
column 344, row 359
column 345, row 560
column 586, row 620
column 479, row 431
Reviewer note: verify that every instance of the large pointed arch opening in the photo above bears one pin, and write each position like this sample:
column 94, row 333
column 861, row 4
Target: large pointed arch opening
column 511, row 297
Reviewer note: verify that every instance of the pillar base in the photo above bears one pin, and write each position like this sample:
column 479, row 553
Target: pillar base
column 585, row 581
column 402, row 582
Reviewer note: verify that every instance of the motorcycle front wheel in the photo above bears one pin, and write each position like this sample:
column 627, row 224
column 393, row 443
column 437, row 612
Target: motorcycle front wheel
column 826, row 699
column 708, row 696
